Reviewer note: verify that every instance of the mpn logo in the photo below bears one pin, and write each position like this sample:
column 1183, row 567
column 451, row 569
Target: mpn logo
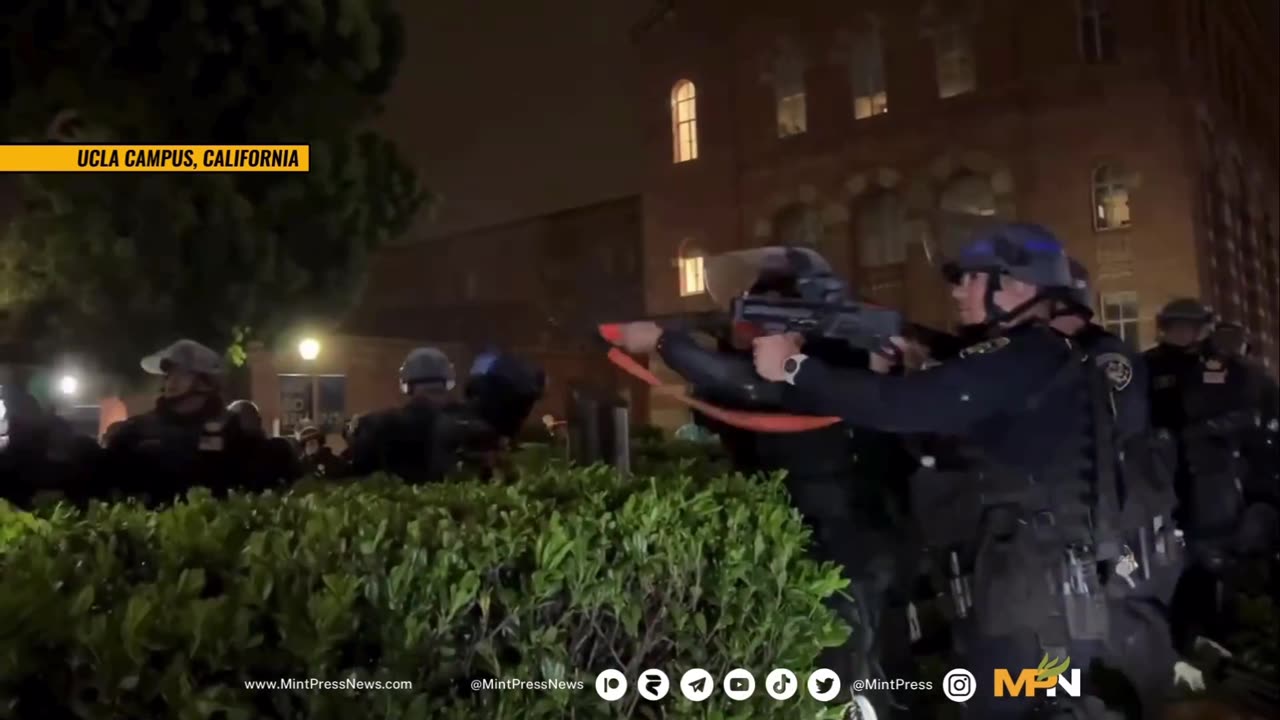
column 1049, row 676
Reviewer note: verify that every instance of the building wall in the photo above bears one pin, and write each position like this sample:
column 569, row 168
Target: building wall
column 1038, row 124
column 536, row 287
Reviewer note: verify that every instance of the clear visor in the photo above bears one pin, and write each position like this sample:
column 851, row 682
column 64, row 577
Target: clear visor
column 732, row 274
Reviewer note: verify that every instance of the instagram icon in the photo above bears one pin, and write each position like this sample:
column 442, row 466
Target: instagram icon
column 959, row 685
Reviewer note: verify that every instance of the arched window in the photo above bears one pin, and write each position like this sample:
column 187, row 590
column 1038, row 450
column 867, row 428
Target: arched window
column 963, row 206
column 1110, row 198
column 881, row 240
column 797, row 225
column 691, row 264
column 684, row 121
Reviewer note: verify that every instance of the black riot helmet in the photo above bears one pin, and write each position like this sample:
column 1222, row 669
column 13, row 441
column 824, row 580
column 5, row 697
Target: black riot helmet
column 1187, row 310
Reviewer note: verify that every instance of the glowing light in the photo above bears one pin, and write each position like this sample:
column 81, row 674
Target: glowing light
column 69, row 385
column 309, row 349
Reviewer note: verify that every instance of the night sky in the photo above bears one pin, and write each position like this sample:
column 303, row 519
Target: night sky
column 512, row 108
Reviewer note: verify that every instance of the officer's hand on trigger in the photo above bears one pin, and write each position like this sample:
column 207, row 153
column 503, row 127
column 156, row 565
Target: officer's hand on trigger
column 770, row 353
column 640, row 338
column 912, row 354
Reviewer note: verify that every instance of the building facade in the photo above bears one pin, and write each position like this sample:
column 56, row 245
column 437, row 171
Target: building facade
column 535, row 287
column 1143, row 132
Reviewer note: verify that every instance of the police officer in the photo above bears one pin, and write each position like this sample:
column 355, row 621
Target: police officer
column 188, row 439
column 1026, row 401
column 1253, row 391
column 501, row 391
column 1141, row 641
column 409, row 441
column 819, row 464
column 317, row 458
column 1205, row 394
column 274, row 458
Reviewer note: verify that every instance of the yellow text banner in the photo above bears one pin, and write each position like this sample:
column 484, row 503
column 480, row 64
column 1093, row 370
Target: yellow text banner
column 154, row 158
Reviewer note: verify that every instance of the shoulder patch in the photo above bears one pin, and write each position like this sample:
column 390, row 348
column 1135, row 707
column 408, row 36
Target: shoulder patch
column 985, row 347
column 1118, row 369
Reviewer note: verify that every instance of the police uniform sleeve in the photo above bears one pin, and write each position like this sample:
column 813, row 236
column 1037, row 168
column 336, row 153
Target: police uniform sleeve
column 996, row 376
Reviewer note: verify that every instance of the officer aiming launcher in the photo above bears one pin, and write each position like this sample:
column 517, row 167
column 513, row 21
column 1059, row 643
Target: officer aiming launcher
column 794, row 290
column 772, row 290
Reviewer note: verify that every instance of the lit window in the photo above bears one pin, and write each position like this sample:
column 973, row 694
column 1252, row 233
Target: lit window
column 953, row 55
column 1110, row 199
column 797, row 226
column 880, row 237
column 1120, row 316
column 789, row 92
column 1097, row 34
column 693, row 275
column 684, row 121
column 866, row 75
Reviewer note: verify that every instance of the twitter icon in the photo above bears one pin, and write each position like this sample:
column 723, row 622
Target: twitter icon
column 824, row 685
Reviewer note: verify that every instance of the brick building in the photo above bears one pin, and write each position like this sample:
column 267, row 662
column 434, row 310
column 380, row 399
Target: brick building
column 534, row 286
column 1142, row 131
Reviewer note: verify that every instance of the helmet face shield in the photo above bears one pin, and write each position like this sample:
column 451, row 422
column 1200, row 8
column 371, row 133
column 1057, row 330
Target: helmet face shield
column 762, row 269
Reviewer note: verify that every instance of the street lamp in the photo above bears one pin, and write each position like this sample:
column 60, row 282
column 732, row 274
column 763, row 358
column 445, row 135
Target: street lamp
column 309, row 349
column 69, row 385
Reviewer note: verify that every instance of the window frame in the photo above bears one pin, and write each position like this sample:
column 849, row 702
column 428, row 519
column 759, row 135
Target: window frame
column 1114, row 180
column 684, row 148
column 790, row 95
column 1121, row 299
column 691, row 270
column 867, row 73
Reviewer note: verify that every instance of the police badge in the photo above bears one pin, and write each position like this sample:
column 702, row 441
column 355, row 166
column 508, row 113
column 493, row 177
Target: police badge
column 1118, row 369
column 987, row 346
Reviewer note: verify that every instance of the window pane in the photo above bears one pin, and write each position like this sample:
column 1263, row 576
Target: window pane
column 791, row 115
column 1110, row 199
column 866, row 68
column 693, row 279
column 295, row 402
column 331, row 391
column 684, row 127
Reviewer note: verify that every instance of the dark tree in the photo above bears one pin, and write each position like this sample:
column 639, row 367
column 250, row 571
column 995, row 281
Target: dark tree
column 114, row 265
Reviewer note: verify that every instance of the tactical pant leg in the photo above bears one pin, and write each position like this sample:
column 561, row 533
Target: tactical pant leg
column 860, row 604
column 1141, row 651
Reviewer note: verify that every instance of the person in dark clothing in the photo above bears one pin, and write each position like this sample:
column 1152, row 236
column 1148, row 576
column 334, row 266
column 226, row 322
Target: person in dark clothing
column 275, row 459
column 317, row 458
column 1035, row 496
column 819, row 464
column 409, row 441
column 187, row 440
column 40, row 453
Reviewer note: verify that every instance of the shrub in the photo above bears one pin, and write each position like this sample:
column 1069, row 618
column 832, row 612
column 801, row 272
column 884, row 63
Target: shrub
column 121, row 612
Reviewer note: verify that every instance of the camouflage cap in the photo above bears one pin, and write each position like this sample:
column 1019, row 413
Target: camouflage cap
column 187, row 356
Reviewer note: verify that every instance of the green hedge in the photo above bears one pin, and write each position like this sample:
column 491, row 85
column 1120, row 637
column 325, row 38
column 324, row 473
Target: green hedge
column 122, row 612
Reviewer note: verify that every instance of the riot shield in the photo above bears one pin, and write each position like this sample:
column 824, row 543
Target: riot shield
column 735, row 273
